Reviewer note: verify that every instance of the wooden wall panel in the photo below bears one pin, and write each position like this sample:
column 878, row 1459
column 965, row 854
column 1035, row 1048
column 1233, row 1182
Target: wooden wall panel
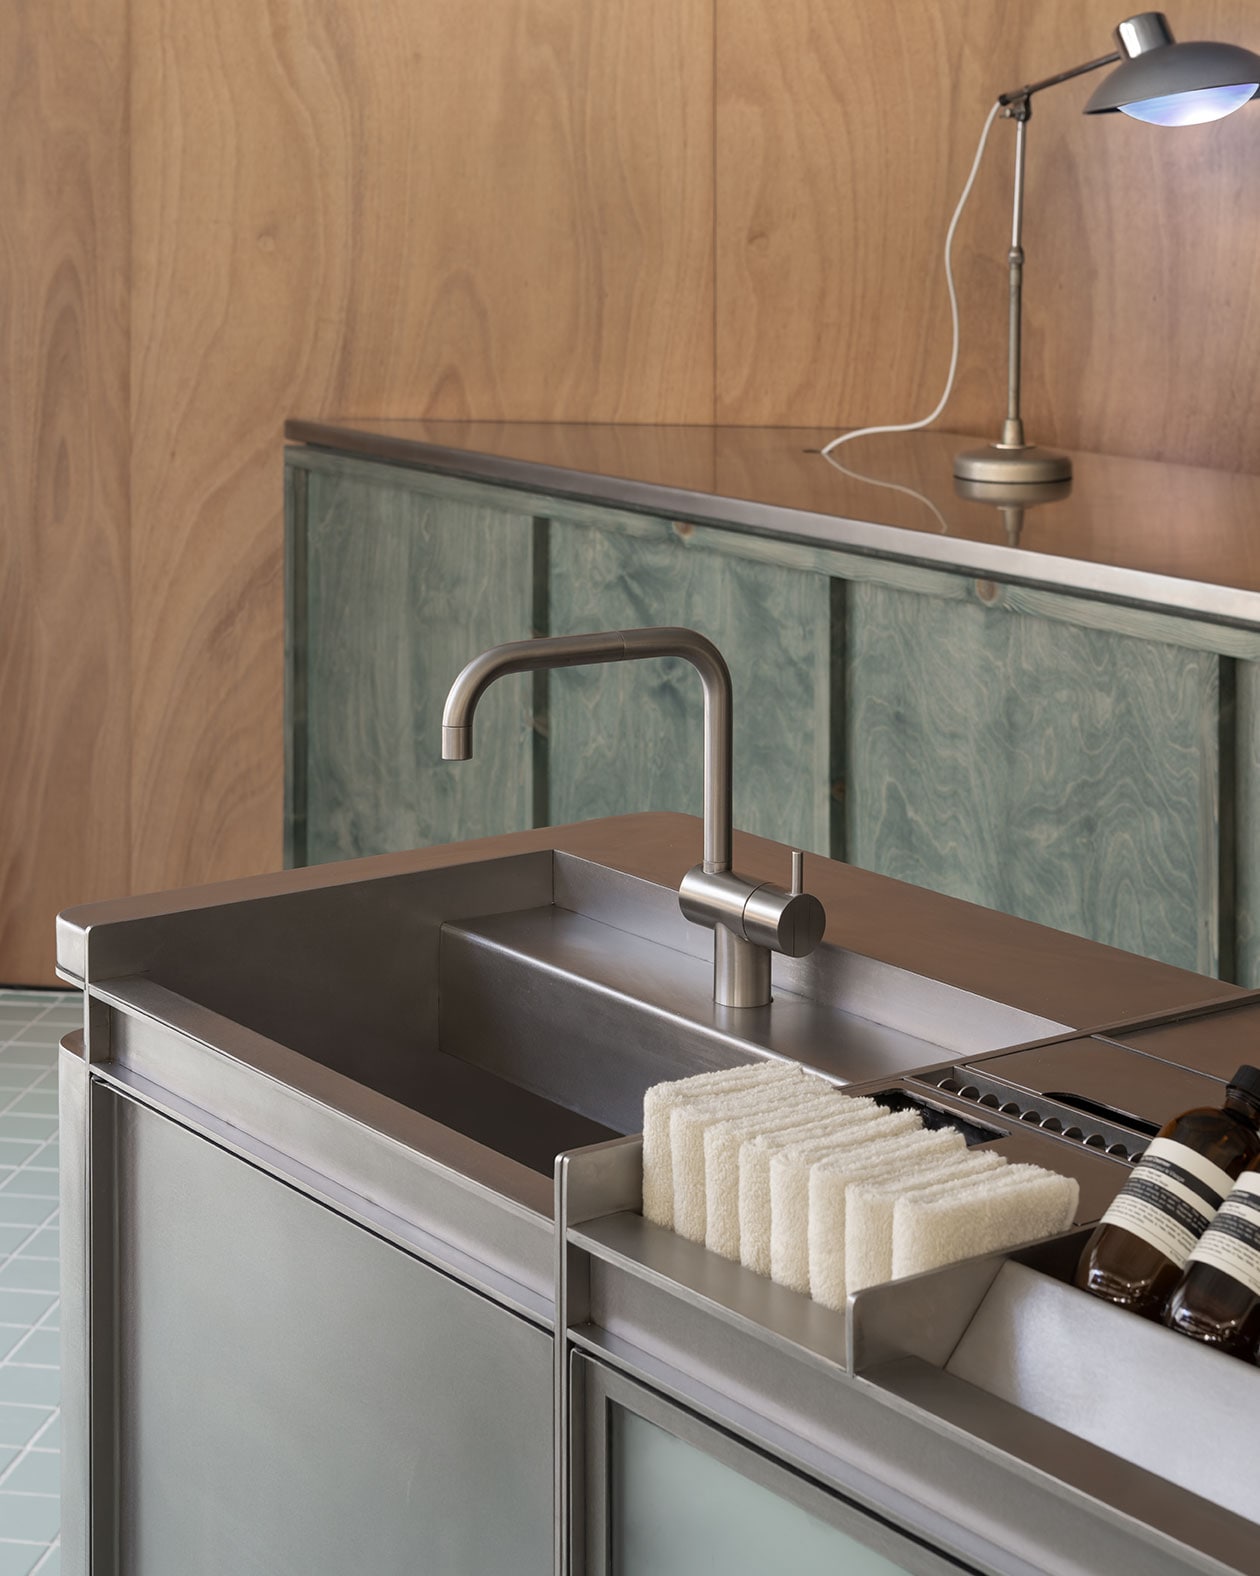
column 63, row 470
column 449, row 209
column 844, row 134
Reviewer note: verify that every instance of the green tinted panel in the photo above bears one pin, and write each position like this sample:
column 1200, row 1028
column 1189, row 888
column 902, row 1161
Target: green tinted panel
column 679, row 1512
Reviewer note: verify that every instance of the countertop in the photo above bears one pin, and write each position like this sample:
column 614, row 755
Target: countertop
column 1172, row 537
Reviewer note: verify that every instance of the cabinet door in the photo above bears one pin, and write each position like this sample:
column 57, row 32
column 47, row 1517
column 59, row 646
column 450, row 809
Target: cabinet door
column 666, row 1494
column 391, row 592
column 295, row 1397
column 1247, row 780
column 628, row 737
column 1065, row 774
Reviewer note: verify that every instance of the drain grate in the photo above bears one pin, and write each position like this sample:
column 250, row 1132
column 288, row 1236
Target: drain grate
column 1042, row 1111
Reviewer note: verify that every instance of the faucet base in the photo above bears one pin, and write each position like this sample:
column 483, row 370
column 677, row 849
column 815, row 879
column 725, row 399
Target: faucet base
column 741, row 971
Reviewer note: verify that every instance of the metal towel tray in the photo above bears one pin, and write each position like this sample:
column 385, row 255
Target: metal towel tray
column 1154, row 1400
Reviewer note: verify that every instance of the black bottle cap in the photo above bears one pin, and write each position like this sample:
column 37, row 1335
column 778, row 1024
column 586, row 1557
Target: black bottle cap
column 1248, row 1080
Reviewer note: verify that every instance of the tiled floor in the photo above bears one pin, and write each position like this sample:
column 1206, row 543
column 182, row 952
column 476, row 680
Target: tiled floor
column 31, row 1024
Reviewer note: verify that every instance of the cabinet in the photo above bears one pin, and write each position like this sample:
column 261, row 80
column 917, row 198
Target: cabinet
column 293, row 1394
column 1089, row 765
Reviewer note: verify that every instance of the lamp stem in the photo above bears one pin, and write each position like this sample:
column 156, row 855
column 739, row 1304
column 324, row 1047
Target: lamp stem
column 1012, row 461
column 1013, row 430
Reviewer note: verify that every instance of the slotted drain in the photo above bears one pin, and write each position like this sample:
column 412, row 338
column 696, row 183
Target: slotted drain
column 1065, row 1121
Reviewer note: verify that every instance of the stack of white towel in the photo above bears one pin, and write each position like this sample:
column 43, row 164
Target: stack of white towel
column 828, row 1193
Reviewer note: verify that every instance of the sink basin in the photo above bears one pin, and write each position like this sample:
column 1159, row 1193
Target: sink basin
column 524, row 1001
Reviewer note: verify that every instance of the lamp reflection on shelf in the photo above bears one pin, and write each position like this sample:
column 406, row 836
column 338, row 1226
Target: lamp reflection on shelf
column 897, row 487
column 1013, row 499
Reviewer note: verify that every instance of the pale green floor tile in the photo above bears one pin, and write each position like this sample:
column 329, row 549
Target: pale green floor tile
column 23, row 1274
column 39, row 1102
column 12, row 1335
column 16, row 1211
column 20, row 1424
column 29, row 1516
column 38, row 1472
column 15, row 1153
column 29, row 1386
column 19, row 1559
column 42, row 1347
column 31, row 1027
column 26, row 1307
column 30, row 1182
column 28, row 1129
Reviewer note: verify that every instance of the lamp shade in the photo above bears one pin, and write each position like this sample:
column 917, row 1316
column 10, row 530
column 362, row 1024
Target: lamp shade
column 1173, row 84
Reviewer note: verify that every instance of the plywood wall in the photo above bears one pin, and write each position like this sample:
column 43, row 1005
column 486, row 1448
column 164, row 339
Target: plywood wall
column 636, row 211
column 64, row 603
column 466, row 207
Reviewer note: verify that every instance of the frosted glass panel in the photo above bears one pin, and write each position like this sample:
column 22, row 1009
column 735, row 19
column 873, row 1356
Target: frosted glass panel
column 678, row 1512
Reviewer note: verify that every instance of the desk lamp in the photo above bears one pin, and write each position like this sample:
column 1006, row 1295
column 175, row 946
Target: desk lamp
column 1157, row 80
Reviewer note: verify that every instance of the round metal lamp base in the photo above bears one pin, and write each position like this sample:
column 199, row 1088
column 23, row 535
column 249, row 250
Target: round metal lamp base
column 1012, row 466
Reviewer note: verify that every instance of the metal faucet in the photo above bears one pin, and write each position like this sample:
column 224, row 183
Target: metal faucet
column 749, row 919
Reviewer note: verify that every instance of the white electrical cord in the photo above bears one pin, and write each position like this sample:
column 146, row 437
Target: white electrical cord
column 913, row 426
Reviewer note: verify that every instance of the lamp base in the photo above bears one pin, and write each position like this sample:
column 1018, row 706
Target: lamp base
column 1012, row 464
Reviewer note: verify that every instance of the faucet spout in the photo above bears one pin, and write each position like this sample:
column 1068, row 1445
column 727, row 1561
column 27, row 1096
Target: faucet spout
column 749, row 919
column 620, row 645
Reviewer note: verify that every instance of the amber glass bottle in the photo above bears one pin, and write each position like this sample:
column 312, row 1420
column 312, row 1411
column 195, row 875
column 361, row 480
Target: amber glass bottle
column 1217, row 1299
column 1140, row 1247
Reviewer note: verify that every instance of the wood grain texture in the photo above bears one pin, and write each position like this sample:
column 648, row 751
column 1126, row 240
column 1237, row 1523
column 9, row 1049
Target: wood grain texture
column 1058, row 774
column 400, row 595
column 1247, row 822
column 844, row 134
column 63, row 470
column 430, row 209
column 630, row 737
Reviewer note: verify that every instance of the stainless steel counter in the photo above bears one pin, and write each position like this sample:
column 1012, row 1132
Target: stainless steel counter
column 309, row 1139
column 1172, row 537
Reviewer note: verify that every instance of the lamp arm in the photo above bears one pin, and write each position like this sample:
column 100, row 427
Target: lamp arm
column 1016, row 107
column 1025, row 93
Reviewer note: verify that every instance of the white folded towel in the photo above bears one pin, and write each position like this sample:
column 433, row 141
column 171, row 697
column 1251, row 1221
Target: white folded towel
column 659, row 1104
column 957, row 1220
column 869, row 1207
column 756, row 1156
column 689, row 1122
column 827, row 1114
column 789, row 1183
column 826, row 1183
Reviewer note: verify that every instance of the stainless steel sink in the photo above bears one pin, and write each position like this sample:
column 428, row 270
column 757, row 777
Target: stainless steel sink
column 527, row 1001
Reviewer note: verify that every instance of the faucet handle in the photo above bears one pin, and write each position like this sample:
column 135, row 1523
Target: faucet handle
column 789, row 922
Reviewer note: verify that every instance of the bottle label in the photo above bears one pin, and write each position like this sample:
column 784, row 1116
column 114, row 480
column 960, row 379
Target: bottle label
column 1170, row 1198
column 1232, row 1242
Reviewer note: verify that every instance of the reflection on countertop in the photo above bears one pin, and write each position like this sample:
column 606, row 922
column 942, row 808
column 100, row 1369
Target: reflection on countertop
column 1172, row 536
